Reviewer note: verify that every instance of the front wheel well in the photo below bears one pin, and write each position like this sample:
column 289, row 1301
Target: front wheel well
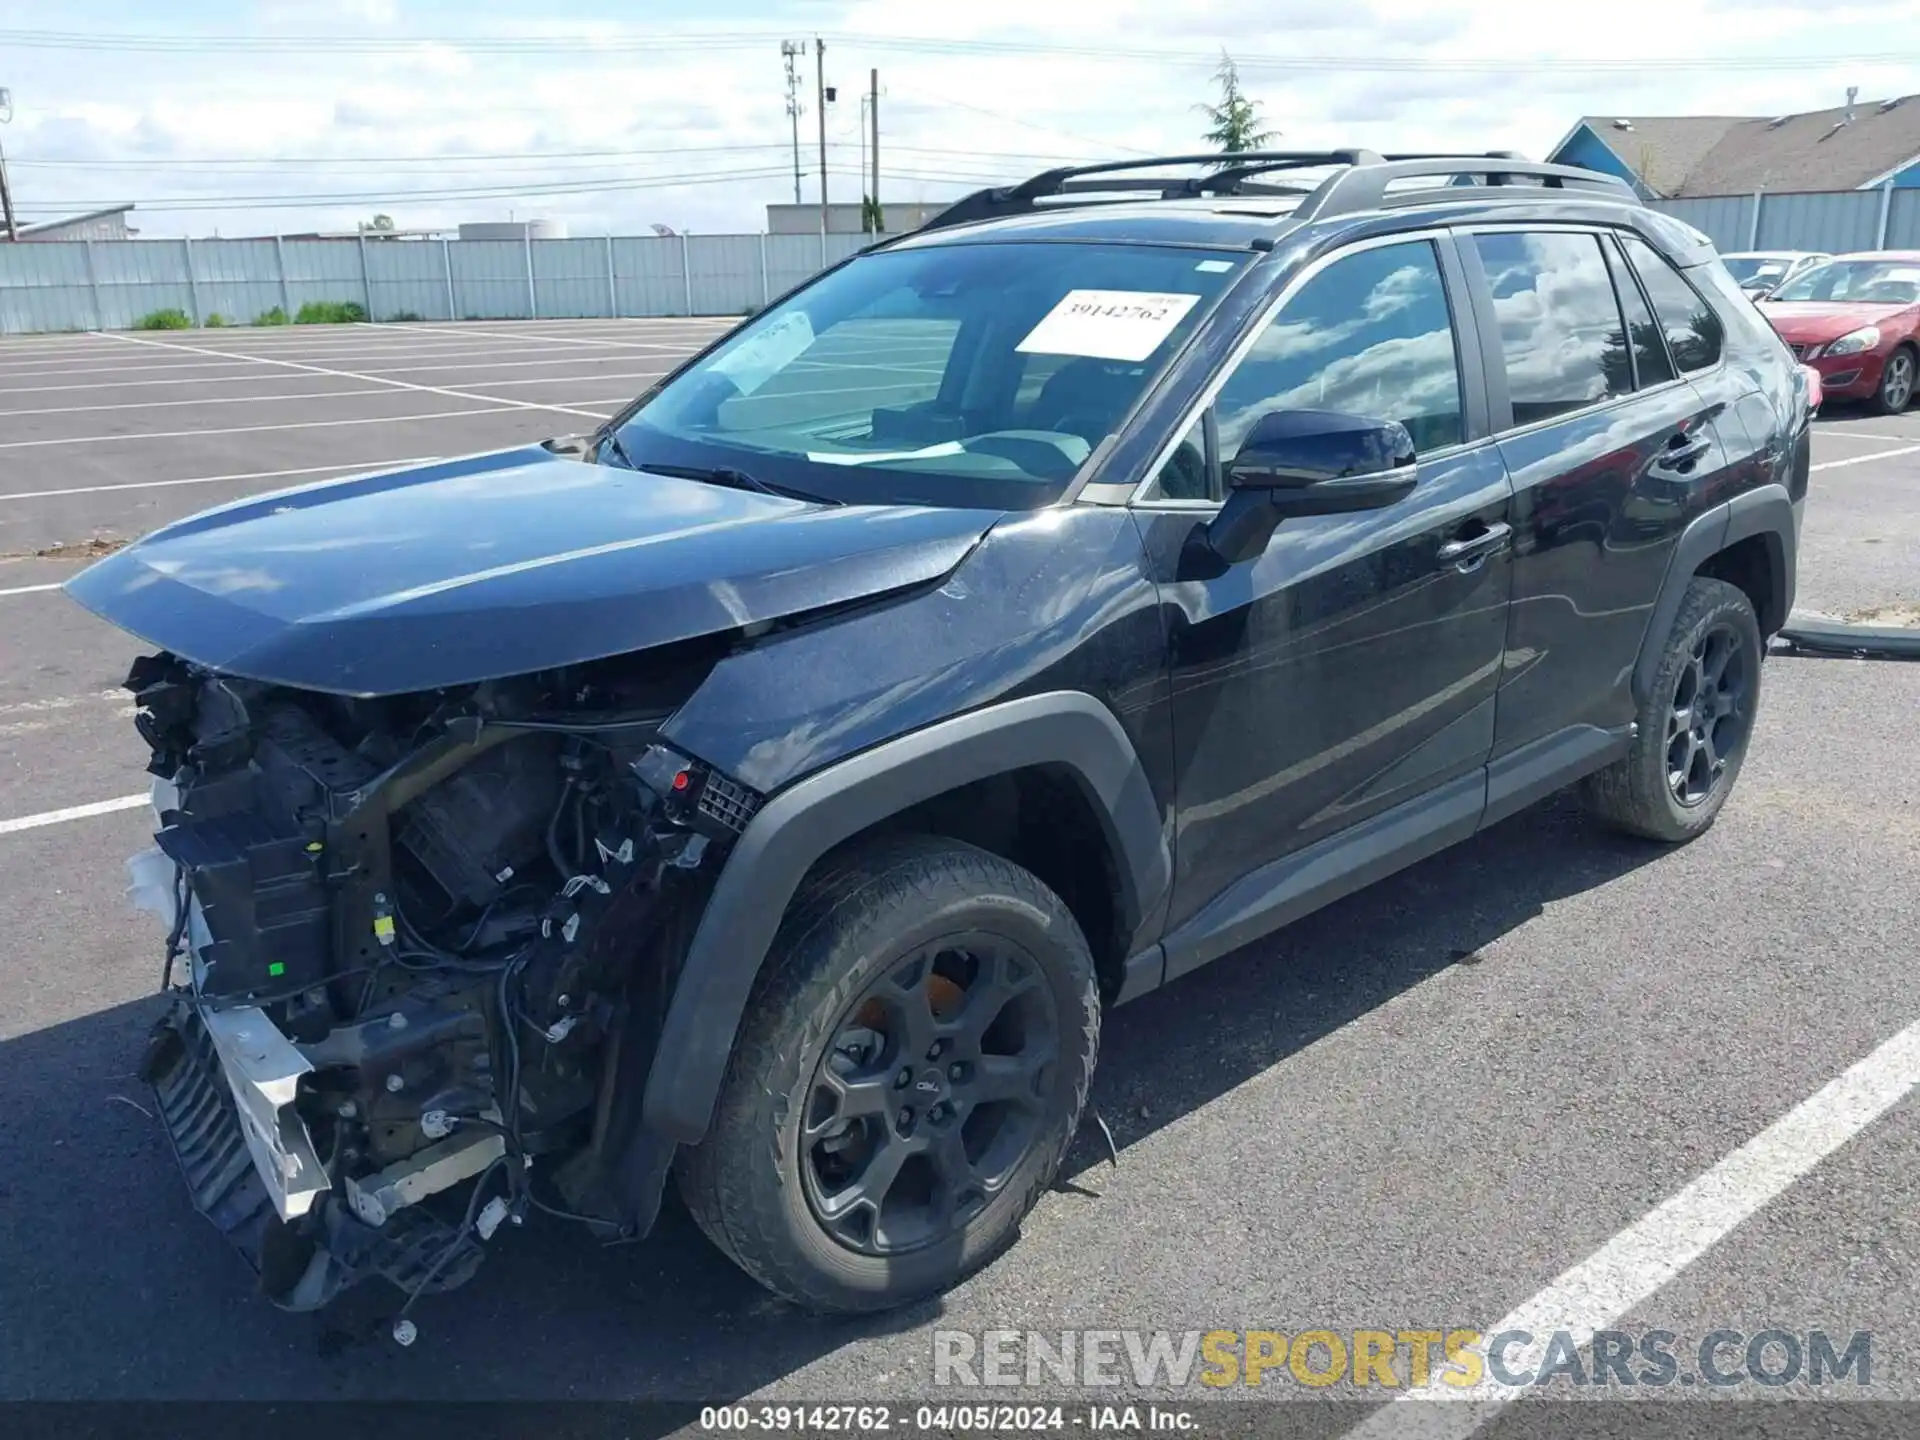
column 1042, row 820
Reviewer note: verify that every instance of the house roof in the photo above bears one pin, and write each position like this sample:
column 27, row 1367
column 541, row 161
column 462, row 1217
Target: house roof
column 1662, row 149
column 40, row 227
column 1815, row 151
column 1684, row 155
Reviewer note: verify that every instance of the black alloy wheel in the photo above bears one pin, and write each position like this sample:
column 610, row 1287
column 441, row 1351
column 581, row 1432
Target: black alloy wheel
column 930, row 1095
column 1708, row 719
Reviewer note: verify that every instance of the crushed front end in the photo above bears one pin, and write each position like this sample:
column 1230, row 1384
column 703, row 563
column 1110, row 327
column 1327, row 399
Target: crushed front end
column 418, row 951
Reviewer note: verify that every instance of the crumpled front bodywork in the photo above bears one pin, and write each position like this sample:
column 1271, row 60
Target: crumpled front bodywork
column 413, row 943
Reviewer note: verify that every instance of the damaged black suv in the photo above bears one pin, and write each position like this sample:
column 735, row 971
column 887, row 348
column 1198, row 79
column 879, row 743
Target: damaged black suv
column 774, row 788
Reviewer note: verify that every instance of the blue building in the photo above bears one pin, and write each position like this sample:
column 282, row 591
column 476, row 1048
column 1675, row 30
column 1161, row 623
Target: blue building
column 1861, row 145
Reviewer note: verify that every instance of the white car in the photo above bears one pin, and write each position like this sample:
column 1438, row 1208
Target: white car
column 1761, row 272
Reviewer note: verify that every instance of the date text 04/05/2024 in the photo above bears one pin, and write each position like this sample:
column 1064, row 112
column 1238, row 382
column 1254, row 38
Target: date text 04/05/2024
column 859, row 1420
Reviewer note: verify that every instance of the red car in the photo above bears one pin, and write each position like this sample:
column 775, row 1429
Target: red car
column 1855, row 319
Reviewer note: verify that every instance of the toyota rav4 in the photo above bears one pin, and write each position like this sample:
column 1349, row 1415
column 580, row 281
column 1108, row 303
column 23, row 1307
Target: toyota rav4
column 773, row 790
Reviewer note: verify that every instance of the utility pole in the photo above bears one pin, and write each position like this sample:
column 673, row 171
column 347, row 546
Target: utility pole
column 820, row 103
column 791, row 51
column 6, row 199
column 873, row 117
column 6, row 190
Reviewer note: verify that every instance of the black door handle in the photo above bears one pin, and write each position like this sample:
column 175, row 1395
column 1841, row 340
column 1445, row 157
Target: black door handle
column 1469, row 550
column 1682, row 450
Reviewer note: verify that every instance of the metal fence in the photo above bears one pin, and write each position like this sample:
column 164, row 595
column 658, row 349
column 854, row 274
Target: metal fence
column 1829, row 220
column 111, row 284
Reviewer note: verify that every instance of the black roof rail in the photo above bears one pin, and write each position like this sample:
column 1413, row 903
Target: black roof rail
column 1360, row 184
column 1223, row 178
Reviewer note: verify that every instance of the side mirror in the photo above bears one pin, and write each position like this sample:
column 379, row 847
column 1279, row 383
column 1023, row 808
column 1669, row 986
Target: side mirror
column 1309, row 462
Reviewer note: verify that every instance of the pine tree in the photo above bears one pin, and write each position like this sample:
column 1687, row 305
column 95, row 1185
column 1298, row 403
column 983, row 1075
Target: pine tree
column 1236, row 119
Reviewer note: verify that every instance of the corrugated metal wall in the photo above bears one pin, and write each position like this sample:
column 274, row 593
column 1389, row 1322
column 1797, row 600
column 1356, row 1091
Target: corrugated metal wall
column 111, row 284
column 1830, row 220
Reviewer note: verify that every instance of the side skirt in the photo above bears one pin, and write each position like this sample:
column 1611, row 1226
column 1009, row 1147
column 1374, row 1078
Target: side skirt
column 1283, row 890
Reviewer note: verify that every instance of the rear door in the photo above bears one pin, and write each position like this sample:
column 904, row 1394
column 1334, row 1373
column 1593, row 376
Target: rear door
column 1612, row 449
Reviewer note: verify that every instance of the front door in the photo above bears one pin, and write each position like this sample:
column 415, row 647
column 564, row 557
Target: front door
column 1352, row 666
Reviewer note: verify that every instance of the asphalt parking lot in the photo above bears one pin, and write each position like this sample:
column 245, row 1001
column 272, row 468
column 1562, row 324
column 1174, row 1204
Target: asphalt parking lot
column 1431, row 1105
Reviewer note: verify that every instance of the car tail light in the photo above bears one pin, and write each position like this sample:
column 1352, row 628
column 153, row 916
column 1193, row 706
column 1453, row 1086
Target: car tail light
column 1810, row 378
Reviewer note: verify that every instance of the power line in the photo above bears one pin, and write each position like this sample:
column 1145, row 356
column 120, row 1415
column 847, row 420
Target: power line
column 599, row 159
column 605, row 42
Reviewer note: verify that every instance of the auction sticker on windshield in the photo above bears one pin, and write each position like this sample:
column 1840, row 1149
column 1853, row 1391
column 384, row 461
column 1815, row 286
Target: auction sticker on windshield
column 1108, row 324
column 756, row 360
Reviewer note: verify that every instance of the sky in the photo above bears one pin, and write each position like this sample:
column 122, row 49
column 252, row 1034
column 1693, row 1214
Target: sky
column 249, row 117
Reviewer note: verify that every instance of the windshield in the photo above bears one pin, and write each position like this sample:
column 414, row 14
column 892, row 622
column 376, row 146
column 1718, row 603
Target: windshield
column 1870, row 282
column 976, row 375
column 1751, row 270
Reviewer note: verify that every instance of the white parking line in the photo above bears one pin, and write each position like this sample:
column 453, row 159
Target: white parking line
column 574, row 340
column 1845, row 434
column 569, row 359
column 1642, row 1258
column 382, row 380
column 1864, row 459
column 427, row 360
column 203, row 400
column 74, row 812
column 344, row 471
column 27, row 590
column 234, row 358
column 499, row 409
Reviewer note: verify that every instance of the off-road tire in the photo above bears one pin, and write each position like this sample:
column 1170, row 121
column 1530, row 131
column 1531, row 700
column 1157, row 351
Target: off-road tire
column 1633, row 793
column 861, row 911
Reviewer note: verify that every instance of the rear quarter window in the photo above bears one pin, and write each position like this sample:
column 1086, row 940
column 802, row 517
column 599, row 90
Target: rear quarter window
column 1694, row 333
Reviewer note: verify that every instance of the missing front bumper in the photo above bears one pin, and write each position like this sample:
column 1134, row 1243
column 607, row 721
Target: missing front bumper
column 303, row 1259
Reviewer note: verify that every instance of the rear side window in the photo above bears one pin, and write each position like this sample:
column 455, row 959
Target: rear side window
column 1693, row 330
column 1560, row 328
column 1369, row 335
column 1650, row 362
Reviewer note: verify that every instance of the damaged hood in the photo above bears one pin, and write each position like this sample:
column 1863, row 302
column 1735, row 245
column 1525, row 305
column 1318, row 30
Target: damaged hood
column 495, row 565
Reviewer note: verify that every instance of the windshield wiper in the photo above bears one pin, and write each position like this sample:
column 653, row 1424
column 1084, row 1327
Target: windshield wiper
column 733, row 479
column 619, row 449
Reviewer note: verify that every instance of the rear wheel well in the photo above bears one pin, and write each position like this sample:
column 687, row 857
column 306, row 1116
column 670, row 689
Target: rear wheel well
column 1750, row 566
column 1042, row 820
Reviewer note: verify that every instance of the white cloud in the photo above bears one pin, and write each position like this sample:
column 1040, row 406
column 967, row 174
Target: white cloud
column 951, row 118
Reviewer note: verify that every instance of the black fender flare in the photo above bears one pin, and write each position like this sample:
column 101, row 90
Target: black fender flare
column 1765, row 510
column 799, row 824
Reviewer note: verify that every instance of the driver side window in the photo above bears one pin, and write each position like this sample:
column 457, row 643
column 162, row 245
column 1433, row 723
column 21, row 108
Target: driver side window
column 1370, row 335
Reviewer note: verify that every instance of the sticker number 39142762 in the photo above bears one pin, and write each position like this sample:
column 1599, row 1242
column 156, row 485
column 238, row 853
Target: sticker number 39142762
column 1108, row 324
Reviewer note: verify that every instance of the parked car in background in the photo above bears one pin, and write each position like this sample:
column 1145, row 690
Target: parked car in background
column 1761, row 272
column 1855, row 319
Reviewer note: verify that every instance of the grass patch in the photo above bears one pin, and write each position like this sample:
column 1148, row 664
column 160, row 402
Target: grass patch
column 331, row 312
column 275, row 316
column 217, row 321
column 164, row 320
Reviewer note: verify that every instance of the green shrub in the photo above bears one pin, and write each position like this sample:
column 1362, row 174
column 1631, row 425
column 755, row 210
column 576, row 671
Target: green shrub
column 164, row 320
column 275, row 316
column 330, row 312
column 217, row 321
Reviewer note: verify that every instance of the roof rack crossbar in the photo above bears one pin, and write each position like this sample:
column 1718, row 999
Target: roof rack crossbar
column 1360, row 183
column 1364, row 187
